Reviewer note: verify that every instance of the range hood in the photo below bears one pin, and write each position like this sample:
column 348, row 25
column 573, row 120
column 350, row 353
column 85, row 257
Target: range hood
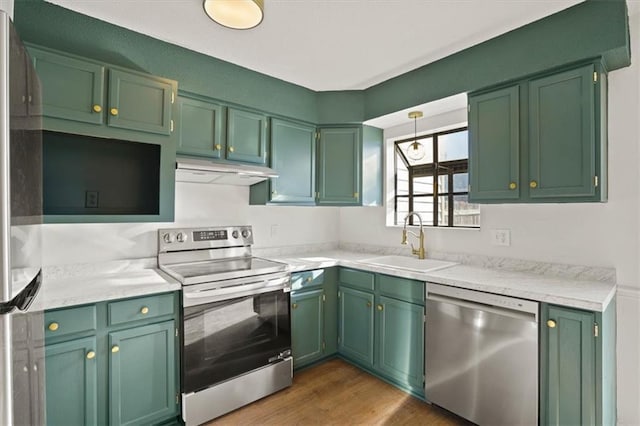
column 200, row 170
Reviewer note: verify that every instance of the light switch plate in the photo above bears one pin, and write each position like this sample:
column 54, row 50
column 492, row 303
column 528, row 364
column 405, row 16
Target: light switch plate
column 501, row 237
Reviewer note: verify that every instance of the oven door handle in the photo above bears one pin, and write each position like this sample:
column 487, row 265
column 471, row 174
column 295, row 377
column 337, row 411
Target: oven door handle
column 201, row 297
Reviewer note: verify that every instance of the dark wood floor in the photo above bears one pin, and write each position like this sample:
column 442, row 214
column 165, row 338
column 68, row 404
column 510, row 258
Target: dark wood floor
column 337, row 393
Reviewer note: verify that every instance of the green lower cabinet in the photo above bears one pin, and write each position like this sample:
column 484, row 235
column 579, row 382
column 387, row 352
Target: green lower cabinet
column 71, row 383
column 307, row 334
column 400, row 341
column 314, row 315
column 577, row 366
column 356, row 325
column 109, row 364
column 142, row 385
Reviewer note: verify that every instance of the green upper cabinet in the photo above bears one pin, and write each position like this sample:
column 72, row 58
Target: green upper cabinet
column 86, row 97
column 71, row 383
column 200, row 127
column 142, row 383
column 293, row 156
column 339, row 165
column 577, row 366
column 72, row 89
column 356, row 322
column 246, row 136
column 307, row 320
column 541, row 140
column 494, row 141
column 140, row 102
column 562, row 140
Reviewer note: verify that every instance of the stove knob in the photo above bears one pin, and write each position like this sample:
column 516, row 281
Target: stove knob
column 245, row 233
column 181, row 238
column 234, row 234
column 167, row 238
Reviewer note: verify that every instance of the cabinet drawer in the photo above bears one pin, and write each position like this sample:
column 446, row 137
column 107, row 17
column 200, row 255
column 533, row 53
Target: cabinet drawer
column 62, row 322
column 358, row 279
column 401, row 288
column 140, row 308
column 301, row 280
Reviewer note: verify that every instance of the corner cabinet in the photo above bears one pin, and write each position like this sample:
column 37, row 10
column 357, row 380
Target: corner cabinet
column 113, row 362
column 577, row 366
column 349, row 166
column 541, row 140
column 313, row 315
column 381, row 326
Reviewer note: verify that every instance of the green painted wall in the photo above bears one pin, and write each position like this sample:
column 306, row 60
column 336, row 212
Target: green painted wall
column 590, row 29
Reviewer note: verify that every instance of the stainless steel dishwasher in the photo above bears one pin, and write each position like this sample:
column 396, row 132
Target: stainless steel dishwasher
column 481, row 355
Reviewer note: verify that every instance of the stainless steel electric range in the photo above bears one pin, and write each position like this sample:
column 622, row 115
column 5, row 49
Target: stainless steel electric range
column 236, row 343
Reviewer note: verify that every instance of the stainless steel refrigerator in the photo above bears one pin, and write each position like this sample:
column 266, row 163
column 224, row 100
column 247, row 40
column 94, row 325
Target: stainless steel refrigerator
column 21, row 322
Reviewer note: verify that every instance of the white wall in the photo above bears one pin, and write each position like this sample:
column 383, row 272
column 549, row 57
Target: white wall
column 7, row 6
column 196, row 205
column 606, row 235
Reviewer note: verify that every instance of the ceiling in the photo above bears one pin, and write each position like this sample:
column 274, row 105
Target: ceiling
column 328, row 44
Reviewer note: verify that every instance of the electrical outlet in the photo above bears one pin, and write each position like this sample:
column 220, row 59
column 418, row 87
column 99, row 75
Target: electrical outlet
column 274, row 231
column 501, row 237
column 91, row 199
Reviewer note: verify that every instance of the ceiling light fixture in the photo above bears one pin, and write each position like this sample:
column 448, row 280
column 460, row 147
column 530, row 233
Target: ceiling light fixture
column 235, row 14
column 416, row 150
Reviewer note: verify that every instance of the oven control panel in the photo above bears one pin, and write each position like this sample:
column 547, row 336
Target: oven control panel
column 179, row 239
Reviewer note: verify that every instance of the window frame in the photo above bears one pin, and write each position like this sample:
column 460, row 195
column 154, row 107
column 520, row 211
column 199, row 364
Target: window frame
column 452, row 168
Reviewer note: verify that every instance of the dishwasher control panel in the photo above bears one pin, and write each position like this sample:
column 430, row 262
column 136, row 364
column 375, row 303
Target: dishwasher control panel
column 439, row 291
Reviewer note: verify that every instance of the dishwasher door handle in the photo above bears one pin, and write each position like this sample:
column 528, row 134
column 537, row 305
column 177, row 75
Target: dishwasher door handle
column 498, row 310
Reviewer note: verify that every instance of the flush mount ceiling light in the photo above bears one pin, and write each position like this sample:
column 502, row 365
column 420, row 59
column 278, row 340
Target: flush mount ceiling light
column 236, row 14
column 416, row 150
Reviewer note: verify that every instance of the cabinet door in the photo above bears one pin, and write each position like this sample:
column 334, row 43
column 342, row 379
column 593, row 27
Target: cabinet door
column 139, row 102
column 71, row 383
column 72, row 89
column 562, row 140
column 142, row 385
column 355, row 337
column 307, row 316
column 339, row 162
column 246, row 136
column 200, row 128
column 494, row 140
column 400, row 341
column 568, row 391
column 293, row 156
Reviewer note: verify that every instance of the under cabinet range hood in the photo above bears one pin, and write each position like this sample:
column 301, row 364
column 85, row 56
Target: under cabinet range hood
column 200, row 170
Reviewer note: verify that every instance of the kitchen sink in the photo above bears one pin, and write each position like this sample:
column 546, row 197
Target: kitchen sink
column 408, row 263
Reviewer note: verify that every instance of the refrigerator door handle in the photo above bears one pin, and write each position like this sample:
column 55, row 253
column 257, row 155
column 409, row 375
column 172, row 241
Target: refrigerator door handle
column 23, row 300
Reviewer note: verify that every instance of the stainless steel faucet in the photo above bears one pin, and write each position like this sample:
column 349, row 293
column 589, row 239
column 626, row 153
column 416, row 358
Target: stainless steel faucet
column 420, row 250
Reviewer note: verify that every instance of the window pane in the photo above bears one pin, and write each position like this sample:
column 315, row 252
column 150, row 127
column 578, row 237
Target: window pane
column 402, row 177
column 424, row 206
column 423, row 185
column 465, row 213
column 443, row 184
column 443, row 210
column 453, row 146
column 427, row 147
column 402, row 210
column 461, row 182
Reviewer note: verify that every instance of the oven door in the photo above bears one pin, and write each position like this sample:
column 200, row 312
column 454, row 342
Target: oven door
column 229, row 336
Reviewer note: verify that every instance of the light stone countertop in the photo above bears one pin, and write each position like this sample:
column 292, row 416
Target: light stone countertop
column 61, row 292
column 81, row 284
column 581, row 294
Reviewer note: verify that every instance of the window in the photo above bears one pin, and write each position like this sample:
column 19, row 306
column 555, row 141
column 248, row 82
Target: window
column 437, row 185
